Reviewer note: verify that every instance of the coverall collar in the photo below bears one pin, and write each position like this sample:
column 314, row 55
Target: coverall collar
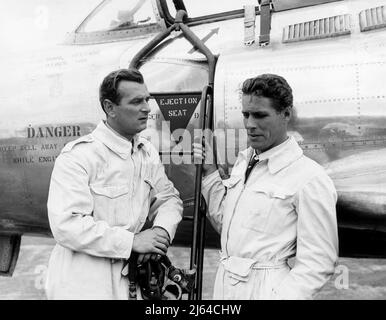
column 278, row 157
column 117, row 143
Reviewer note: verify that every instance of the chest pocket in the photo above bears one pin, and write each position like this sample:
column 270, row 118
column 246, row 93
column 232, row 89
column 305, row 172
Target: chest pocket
column 112, row 204
column 268, row 208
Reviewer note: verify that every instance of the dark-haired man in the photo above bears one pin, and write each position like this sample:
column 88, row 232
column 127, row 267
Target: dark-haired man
column 277, row 204
column 103, row 188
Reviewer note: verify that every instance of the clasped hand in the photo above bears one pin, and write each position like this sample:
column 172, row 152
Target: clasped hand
column 151, row 244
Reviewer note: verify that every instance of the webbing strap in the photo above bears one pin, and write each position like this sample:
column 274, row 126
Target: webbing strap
column 265, row 22
column 249, row 25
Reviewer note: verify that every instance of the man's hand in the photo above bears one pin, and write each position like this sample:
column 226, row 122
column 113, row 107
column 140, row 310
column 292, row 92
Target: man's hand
column 204, row 156
column 151, row 241
column 162, row 232
column 144, row 257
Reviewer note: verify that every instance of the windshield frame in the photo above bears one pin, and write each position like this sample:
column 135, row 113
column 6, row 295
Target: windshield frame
column 234, row 14
column 79, row 36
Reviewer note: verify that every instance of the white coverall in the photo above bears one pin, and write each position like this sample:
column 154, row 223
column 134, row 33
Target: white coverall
column 102, row 190
column 286, row 208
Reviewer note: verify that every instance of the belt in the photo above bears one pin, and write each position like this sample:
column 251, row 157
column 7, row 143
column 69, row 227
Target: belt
column 239, row 269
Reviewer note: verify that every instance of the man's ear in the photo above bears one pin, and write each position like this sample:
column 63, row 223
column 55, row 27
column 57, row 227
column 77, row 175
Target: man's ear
column 108, row 107
column 287, row 114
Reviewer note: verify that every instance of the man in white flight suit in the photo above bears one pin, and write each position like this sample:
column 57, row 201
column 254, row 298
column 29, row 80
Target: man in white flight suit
column 276, row 204
column 103, row 188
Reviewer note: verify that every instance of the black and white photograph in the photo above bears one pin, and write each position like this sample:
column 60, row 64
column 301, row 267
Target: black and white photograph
column 202, row 150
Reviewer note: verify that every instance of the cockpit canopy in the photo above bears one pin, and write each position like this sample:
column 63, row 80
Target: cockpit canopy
column 115, row 20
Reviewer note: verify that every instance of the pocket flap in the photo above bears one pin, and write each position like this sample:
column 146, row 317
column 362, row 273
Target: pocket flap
column 239, row 267
column 110, row 191
column 232, row 181
column 273, row 191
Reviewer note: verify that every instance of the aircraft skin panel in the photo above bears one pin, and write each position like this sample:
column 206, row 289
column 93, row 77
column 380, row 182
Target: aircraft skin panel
column 58, row 102
column 26, row 165
column 329, row 129
column 28, row 156
column 339, row 107
column 339, row 101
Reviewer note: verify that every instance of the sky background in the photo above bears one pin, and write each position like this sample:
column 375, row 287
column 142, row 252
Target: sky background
column 36, row 24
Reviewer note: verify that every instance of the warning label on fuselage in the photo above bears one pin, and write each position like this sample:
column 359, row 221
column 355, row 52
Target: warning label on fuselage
column 177, row 108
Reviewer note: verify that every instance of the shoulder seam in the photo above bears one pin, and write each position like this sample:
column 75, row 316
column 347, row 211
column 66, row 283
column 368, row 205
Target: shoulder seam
column 70, row 145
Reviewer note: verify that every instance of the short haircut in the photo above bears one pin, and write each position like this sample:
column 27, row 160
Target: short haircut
column 270, row 86
column 109, row 87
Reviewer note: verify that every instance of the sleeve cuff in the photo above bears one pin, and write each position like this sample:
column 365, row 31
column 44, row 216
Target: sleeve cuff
column 162, row 229
column 165, row 224
column 125, row 245
column 207, row 182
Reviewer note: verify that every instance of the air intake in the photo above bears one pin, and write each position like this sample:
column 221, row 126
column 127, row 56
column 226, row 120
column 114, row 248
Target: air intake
column 318, row 29
column 373, row 18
